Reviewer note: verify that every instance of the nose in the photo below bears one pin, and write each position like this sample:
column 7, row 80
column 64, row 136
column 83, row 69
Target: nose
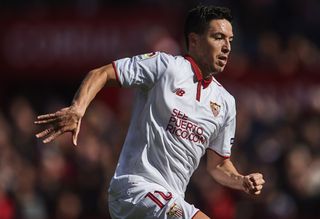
column 226, row 48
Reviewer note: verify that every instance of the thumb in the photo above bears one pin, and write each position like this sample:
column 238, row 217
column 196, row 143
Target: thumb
column 76, row 133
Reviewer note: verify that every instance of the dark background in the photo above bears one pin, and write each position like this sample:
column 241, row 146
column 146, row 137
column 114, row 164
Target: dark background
column 46, row 49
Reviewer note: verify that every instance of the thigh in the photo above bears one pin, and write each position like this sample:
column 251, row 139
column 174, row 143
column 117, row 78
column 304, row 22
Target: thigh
column 177, row 207
column 151, row 201
column 164, row 204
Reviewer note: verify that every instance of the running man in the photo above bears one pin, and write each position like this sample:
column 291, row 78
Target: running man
column 180, row 113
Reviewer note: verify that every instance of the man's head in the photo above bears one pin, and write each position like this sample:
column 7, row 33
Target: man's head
column 208, row 34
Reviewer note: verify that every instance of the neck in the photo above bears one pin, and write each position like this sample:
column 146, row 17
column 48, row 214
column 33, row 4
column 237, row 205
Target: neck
column 206, row 74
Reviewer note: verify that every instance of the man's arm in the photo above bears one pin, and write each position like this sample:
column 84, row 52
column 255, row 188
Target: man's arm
column 92, row 84
column 224, row 172
column 69, row 119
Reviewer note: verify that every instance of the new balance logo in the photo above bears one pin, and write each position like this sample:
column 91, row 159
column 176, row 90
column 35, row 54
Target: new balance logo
column 180, row 92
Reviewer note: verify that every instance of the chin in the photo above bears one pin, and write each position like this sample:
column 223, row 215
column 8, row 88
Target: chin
column 217, row 70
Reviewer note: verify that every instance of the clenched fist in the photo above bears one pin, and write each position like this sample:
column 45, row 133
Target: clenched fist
column 253, row 183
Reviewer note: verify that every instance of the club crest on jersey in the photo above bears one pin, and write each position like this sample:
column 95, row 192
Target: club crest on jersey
column 149, row 55
column 175, row 211
column 215, row 108
column 179, row 92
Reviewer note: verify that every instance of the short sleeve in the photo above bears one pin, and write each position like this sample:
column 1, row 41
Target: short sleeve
column 142, row 70
column 223, row 143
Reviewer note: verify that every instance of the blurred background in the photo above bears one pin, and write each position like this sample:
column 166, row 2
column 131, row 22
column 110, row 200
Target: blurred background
column 48, row 46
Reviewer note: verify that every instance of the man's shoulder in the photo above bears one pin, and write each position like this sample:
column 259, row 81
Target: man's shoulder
column 174, row 59
column 227, row 96
column 177, row 65
column 163, row 57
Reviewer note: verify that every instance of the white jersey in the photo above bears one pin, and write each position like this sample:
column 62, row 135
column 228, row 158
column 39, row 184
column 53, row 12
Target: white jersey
column 176, row 117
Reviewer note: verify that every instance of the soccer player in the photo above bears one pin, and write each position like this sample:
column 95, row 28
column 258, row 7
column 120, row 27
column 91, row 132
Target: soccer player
column 180, row 113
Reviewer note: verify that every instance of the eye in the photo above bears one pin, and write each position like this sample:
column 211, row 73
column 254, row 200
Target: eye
column 218, row 36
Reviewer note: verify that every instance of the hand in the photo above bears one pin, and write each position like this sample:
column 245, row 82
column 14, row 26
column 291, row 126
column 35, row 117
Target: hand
column 253, row 183
column 65, row 120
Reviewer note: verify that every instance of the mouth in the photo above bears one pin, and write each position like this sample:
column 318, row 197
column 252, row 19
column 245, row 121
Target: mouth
column 222, row 60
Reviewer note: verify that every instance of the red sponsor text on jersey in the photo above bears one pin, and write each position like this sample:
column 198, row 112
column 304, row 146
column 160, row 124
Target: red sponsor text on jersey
column 182, row 127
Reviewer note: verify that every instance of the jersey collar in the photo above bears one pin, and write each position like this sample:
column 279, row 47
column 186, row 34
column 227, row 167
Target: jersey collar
column 201, row 81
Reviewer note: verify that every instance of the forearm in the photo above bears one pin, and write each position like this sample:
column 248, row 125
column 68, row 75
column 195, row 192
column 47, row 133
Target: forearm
column 69, row 118
column 226, row 174
column 90, row 86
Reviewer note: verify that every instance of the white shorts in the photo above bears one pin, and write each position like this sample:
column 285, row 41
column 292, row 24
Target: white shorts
column 136, row 198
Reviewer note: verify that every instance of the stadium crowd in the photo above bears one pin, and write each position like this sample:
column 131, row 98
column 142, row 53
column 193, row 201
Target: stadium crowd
column 278, row 126
column 277, row 134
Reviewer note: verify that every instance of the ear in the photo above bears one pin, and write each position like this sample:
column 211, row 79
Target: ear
column 193, row 39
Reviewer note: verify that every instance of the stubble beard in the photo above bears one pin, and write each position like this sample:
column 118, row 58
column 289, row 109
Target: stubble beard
column 216, row 70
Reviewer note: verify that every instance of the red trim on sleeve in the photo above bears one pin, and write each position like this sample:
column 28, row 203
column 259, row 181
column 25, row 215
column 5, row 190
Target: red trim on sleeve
column 225, row 157
column 117, row 73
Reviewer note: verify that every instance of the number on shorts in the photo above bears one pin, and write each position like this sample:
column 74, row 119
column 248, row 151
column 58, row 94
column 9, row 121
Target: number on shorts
column 156, row 200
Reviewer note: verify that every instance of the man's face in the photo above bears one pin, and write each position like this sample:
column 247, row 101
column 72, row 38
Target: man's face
column 214, row 46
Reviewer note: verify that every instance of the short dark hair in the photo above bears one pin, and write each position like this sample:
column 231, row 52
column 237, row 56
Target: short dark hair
column 199, row 18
